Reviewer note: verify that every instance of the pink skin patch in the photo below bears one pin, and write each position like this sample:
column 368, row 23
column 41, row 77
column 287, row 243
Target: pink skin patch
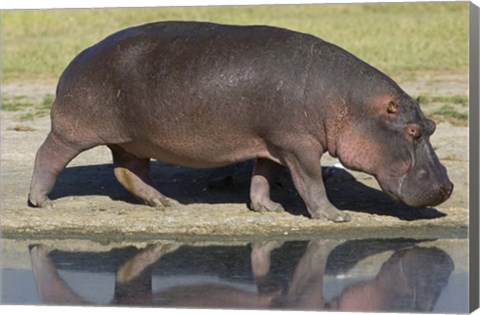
column 357, row 151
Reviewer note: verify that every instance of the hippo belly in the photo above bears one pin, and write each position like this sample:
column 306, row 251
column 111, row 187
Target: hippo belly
column 202, row 157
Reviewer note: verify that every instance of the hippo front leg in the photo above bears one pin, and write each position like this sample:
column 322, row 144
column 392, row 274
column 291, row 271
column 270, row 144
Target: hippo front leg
column 307, row 176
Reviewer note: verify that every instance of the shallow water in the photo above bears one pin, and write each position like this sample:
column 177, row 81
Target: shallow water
column 356, row 275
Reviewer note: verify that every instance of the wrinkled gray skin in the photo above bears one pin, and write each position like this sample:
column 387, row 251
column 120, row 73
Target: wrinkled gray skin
column 205, row 95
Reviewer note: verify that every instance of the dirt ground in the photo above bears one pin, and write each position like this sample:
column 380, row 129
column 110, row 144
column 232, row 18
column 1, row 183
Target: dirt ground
column 90, row 204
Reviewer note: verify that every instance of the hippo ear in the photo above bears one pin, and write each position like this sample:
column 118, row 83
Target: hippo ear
column 418, row 100
column 431, row 126
column 392, row 107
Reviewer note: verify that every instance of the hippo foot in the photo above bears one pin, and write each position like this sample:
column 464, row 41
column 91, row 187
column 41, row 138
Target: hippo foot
column 267, row 206
column 266, row 247
column 163, row 249
column 162, row 203
column 335, row 216
column 45, row 204
column 39, row 250
column 260, row 257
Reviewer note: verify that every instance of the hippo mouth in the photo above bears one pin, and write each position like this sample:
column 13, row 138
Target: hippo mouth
column 393, row 193
column 424, row 184
column 422, row 196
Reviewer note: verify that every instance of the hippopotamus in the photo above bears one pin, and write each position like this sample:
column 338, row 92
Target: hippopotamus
column 205, row 95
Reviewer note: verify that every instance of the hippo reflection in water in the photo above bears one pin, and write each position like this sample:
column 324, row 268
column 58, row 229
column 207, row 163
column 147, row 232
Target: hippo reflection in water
column 410, row 280
column 205, row 95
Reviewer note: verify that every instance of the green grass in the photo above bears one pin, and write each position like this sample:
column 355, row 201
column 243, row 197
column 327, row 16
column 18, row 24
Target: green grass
column 454, row 99
column 15, row 104
column 453, row 109
column 28, row 109
column 448, row 112
column 395, row 37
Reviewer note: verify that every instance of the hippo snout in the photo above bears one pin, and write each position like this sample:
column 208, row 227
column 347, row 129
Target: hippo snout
column 419, row 188
column 428, row 199
column 446, row 190
column 425, row 193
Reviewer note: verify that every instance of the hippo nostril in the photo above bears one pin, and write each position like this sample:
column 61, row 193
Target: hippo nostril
column 445, row 192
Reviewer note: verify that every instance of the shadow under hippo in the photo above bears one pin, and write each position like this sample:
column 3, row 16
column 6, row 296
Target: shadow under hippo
column 231, row 185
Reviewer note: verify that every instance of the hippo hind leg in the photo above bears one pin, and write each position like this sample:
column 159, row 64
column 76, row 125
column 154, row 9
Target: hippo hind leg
column 52, row 157
column 133, row 174
column 263, row 174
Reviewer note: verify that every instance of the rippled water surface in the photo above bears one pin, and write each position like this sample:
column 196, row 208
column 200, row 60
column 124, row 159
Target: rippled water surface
column 355, row 275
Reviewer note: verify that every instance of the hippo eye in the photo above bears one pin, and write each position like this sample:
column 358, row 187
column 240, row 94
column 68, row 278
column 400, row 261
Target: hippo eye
column 413, row 130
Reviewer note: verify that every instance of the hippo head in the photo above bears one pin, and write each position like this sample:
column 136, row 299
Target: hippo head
column 388, row 136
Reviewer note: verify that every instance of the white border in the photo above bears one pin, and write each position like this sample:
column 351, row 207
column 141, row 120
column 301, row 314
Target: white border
column 50, row 4
column 59, row 4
